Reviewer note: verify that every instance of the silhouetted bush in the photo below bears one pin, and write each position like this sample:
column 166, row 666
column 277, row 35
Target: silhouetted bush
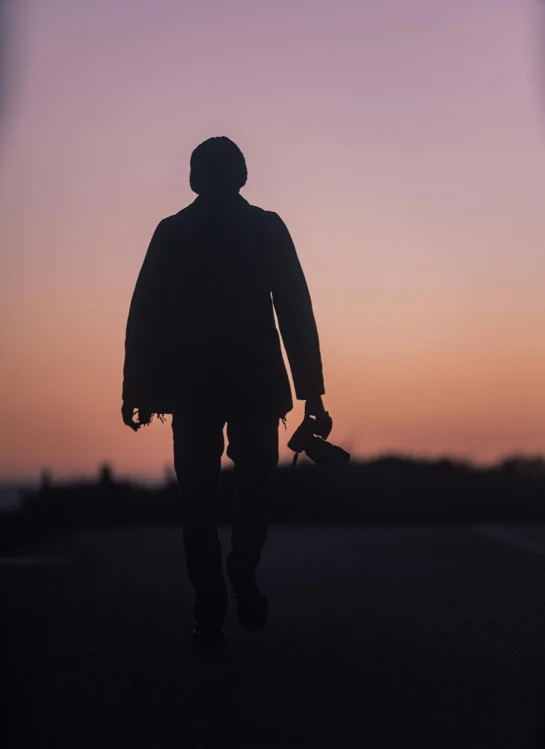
column 391, row 489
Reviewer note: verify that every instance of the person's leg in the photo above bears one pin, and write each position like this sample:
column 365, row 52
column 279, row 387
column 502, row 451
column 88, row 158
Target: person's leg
column 253, row 447
column 198, row 447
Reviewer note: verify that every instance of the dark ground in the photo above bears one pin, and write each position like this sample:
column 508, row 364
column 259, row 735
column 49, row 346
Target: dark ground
column 382, row 637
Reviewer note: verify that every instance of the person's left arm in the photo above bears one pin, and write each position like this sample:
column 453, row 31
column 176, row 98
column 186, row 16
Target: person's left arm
column 293, row 305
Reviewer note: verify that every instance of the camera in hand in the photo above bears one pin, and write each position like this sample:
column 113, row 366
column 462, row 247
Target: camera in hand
column 311, row 438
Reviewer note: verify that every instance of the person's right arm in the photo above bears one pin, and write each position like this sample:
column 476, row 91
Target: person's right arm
column 141, row 331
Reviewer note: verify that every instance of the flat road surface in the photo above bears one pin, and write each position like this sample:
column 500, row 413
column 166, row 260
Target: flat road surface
column 378, row 637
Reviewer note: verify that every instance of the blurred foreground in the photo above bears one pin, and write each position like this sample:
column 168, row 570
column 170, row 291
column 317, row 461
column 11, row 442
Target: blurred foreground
column 382, row 637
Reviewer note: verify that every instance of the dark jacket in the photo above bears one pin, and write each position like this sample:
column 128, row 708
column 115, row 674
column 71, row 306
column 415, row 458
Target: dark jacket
column 201, row 321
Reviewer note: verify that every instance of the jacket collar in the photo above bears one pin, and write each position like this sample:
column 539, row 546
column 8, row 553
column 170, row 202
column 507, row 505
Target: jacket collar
column 212, row 201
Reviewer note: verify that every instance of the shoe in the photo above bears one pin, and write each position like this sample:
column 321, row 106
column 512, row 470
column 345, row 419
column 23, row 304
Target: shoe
column 205, row 636
column 252, row 604
column 210, row 609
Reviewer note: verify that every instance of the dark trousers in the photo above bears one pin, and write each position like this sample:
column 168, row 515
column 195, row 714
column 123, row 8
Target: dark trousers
column 198, row 447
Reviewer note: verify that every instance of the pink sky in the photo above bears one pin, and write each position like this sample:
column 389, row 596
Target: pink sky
column 403, row 145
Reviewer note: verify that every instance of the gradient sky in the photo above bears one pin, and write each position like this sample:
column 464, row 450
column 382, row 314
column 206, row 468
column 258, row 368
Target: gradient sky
column 401, row 142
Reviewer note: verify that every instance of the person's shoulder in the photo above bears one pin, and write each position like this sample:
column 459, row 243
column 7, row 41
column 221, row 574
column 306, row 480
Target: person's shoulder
column 176, row 220
column 269, row 217
column 179, row 217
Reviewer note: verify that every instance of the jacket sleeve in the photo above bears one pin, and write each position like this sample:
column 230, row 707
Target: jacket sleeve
column 143, row 330
column 294, row 311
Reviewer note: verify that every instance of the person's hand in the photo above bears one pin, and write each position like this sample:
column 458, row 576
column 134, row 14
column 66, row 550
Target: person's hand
column 315, row 407
column 127, row 412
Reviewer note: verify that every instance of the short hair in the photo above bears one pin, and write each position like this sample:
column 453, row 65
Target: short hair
column 217, row 164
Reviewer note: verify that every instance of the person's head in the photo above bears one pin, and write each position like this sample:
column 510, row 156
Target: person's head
column 217, row 167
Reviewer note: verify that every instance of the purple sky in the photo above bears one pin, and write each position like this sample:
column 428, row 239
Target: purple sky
column 403, row 144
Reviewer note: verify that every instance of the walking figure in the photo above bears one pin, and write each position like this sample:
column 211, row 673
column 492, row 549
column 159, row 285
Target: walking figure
column 202, row 344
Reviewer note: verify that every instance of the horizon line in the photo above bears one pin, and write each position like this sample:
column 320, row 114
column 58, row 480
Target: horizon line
column 29, row 481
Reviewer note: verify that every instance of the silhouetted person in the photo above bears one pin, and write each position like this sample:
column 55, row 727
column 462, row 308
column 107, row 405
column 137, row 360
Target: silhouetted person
column 202, row 345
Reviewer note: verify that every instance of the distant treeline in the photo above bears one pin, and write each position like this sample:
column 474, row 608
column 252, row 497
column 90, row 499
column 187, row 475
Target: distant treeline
column 390, row 489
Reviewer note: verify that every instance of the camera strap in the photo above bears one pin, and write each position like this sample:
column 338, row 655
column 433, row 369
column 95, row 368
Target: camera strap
column 294, row 461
